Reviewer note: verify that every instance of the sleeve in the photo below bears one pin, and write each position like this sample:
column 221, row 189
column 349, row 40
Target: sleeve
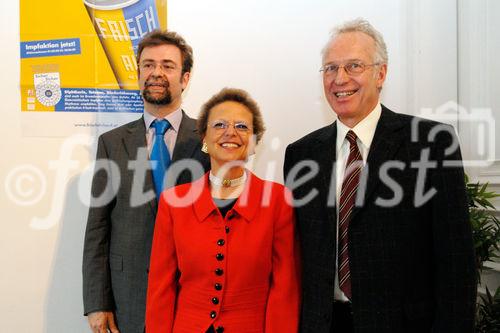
column 455, row 268
column 162, row 279
column 283, row 304
column 97, row 291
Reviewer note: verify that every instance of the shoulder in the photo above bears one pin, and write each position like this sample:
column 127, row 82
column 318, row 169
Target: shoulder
column 264, row 187
column 389, row 118
column 416, row 131
column 319, row 135
column 188, row 121
column 123, row 130
column 185, row 194
column 272, row 184
column 313, row 146
column 184, row 189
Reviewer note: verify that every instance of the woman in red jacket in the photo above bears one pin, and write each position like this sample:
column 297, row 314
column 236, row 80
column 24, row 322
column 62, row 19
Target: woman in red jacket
column 225, row 254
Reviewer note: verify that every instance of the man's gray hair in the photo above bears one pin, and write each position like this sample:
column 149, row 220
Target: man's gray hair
column 361, row 25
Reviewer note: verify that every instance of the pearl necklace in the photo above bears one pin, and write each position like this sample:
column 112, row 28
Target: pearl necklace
column 214, row 180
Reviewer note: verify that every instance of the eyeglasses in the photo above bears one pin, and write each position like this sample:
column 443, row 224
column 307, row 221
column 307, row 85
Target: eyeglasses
column 351, row 68
column 150, row 66
column 222, row 126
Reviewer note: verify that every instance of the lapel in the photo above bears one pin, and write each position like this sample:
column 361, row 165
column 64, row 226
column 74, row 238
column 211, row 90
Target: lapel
column 203, row 204
column 385, row 144
column 251, row 198
column 187, row 139
column 326, row 155
column 133, row 141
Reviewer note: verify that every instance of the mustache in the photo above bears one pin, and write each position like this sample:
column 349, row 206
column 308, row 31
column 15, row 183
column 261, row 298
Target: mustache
column 157, row 82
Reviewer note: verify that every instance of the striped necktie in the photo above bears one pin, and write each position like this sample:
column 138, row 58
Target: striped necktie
column 160, row 157
column 346, row 205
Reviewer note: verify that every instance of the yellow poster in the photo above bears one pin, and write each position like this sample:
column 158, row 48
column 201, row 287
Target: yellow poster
column 79, row 55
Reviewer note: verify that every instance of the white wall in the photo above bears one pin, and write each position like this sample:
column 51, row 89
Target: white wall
column 270, row 49
column 479, row 72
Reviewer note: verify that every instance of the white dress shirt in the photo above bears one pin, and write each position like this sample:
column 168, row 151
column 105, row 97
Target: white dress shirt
column 170, row 137
column 364, row 130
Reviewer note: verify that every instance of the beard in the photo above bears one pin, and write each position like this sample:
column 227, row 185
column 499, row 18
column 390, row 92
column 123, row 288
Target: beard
column 163, row 99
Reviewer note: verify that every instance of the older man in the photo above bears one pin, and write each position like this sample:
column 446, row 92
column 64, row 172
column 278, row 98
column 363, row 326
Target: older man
column 135, row 158
column 382, row 210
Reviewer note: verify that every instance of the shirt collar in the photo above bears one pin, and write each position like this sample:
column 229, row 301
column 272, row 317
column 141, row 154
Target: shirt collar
column 173, row 118
column 364, row 130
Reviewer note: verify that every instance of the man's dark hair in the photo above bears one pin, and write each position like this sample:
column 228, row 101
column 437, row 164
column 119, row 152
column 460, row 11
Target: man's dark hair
column 158, row 37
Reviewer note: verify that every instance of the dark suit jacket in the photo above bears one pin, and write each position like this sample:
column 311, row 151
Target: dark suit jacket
column 119, row 234
column 412, row 266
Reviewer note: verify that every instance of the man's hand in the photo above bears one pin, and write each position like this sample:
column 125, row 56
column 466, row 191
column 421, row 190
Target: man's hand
column 101, row 321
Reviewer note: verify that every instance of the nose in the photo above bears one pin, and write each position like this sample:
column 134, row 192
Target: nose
column 230, row 130
column 157, row 70
column 341, row 77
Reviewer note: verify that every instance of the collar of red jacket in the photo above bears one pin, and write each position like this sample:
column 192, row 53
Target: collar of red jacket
column 246, row 206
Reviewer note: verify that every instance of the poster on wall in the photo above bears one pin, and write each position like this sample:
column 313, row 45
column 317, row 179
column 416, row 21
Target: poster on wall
column 78, row 65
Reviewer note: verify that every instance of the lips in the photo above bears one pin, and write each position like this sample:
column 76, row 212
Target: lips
column 162, row 84
column 345, row 93
column 229, row 145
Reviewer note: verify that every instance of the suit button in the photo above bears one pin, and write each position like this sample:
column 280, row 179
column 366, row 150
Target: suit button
column 219, row 329
column 219, row 256
column 218, row 286
column 215, row 300
column 219, row 271
column 221, row 242
column 227, row 230
column 213, row 314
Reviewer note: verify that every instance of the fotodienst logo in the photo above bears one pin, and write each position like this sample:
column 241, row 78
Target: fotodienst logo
column 477, row 123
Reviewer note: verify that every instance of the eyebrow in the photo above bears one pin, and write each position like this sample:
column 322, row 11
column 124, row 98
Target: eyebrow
column 228, row 121
column 162, row 61
column 345, row 62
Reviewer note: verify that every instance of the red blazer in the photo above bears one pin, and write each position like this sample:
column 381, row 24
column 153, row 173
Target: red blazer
column 239, row 273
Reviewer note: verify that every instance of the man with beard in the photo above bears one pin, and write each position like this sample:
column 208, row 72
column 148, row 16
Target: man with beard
column 128, row 180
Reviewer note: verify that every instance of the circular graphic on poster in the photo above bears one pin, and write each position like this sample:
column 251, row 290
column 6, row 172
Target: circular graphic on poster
column 48, row 94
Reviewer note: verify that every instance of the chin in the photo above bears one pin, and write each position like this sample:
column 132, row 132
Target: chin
column 343, row 114
column 229, row 159
column 345, row 110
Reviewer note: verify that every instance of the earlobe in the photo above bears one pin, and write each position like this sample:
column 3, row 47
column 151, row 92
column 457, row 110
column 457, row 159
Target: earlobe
column 204, row 147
